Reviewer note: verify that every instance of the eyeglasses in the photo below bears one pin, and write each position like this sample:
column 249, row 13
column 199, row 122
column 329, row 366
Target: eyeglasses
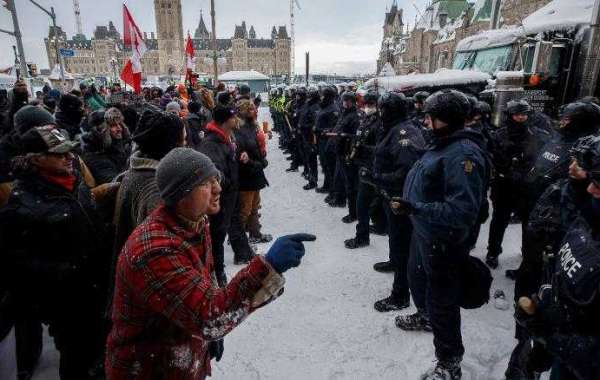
column 213, row 181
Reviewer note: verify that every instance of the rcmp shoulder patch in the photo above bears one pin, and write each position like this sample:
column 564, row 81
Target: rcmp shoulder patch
column 469, row 165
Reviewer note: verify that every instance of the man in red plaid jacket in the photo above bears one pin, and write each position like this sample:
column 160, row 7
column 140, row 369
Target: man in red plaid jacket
column 168, row 314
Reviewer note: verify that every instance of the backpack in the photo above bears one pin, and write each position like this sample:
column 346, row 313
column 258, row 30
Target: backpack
column 477, row 282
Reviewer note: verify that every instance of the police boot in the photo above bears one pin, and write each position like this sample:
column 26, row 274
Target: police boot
column 322, row 190
column 414, row 322
column 356, row 243
column 329, row 198
column 444, row 370
column 293, row 168
column 377, row 231
column 349, row 219
column 310, row 186
column 391, row 304
column 491, row 261
column 384, row 267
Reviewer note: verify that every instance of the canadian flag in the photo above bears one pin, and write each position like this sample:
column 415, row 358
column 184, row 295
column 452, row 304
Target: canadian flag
column 132, row 38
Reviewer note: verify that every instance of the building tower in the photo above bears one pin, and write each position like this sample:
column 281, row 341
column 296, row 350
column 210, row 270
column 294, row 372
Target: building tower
column 79, row 25
column 169, row 28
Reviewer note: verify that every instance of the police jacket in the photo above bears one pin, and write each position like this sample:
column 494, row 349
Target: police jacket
column 326, row 118
column 308, row 115
column 553, row 160
column 369, row 133
column 395, row 155
column 55, row 254
column 514, row 151
column 447, row 187
column 346, row 127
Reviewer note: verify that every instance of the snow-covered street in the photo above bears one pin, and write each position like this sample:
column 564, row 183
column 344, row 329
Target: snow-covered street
column 324, row 326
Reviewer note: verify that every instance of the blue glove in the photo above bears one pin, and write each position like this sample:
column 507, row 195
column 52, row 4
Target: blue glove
column 287, row 251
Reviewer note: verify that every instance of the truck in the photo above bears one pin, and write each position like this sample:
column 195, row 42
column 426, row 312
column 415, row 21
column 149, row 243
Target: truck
column 542, row 60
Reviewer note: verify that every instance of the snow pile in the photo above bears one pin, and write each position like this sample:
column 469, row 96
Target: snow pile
column 242, row 75
column 509, row 75
column 559, row 15
column 489, row 39
column 442, row 77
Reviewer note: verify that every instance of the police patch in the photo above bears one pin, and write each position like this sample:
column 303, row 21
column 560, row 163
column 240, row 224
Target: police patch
column 404, row 142
column 469, row 166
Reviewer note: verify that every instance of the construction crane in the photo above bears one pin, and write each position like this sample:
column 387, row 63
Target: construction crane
column 77, row 16
column 293, row 4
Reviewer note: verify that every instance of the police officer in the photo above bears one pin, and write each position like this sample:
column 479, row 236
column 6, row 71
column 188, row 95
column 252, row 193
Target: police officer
column 400, row 147
column 577, row 120
column 346, row 176
column 369, row 133
column 443, row 194
column 295, row 98
column 514, row 148
column 562, row 315
column 418, row 115
column 306, row 126
column 326, row 119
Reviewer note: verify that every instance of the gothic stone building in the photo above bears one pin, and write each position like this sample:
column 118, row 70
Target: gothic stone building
column 431, row 43
column 103, row 54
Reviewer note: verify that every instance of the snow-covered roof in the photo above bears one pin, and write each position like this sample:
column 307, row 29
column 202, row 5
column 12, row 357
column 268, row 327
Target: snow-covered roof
column 448, row 32
column 559, row 15
column 55, row 74
column 242, row 75
column 442, row 77
column 430, row 19
column 490, row 38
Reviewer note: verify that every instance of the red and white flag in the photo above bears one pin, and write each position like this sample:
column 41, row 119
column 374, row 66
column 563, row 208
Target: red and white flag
column 190, row 59
column 132, row 38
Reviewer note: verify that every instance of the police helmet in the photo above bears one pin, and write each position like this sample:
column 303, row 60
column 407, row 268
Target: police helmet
column 581, row 114
column 587, row 153
column 517, row 107
column 349, row 96
column 393, row 106
column 450, row 106
column 328, row 93
column 421, row 96
column 371, row 97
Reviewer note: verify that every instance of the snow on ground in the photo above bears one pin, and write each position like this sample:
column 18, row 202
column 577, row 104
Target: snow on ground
column 324, row 325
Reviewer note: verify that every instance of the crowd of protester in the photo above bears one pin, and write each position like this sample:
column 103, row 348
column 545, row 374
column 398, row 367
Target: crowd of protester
column 423, row 170
column 114, row 213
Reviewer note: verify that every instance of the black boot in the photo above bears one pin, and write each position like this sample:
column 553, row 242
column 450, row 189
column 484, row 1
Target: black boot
column 356, row 243
column 329, row 198
column 511, row 274
column 310, row 186
column 414, row 322
column 349, row 219
column 292, row 168
column 384, row 267
column 391, row 304
column 491, row 261
column 322, row 190
column 337, row 203
column 377, row 231
column 444, row 370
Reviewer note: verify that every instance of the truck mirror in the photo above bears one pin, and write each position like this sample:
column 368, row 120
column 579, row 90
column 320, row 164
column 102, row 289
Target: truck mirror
column 544, row 58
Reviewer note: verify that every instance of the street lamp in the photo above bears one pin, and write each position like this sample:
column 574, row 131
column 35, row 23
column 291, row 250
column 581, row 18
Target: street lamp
column 53, row 17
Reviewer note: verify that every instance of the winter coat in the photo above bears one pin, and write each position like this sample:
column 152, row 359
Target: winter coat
column 195, row 130
column 106, row 158
column 138, row 196
column 222, row 151
column 251, row 174
column 347, row 125
column 168, row 307
column 369, row 133
column 395, row 155
column 447, row 188
column 69, row 123
column 53, row 247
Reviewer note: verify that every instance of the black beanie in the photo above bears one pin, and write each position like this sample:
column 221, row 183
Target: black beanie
column 222, row 114
column 157, row 133
column 69, row 104
column 32, row 116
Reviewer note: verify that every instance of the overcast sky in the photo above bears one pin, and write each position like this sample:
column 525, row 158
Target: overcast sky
column 343, row 36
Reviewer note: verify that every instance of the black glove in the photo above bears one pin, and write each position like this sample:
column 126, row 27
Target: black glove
column 216, row 348
column 402, row 206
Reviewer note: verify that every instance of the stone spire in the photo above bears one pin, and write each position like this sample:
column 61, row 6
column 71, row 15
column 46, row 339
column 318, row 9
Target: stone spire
column 201, row 30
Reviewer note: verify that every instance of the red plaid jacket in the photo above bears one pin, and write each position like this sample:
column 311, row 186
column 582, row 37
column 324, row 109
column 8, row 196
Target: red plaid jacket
column 167, row 307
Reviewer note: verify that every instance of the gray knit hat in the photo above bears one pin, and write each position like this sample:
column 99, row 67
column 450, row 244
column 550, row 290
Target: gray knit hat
column 173, row 107
column 29, row 117
column 180, row 171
